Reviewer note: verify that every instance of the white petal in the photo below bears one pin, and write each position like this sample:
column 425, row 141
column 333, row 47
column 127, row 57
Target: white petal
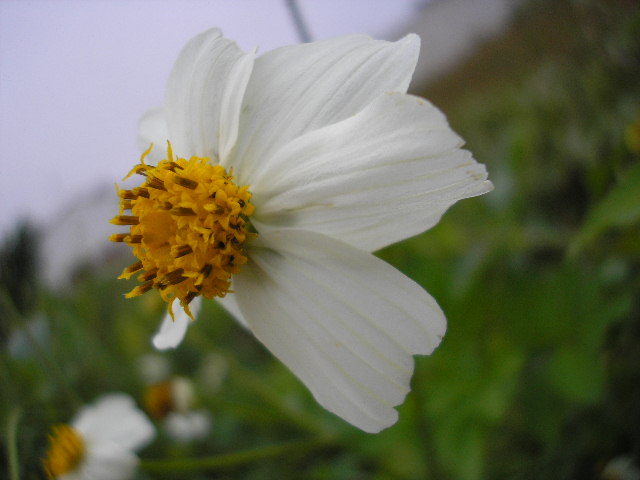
column 171, row 330
column 383, row 175
column 230, row 304
column 114, row 418
column 299, row 88
column 188, row 426
column 204, row 95
column 345, row 322
column 153, row 130
column 182, row 393
column 106, row 461
column 231, row 104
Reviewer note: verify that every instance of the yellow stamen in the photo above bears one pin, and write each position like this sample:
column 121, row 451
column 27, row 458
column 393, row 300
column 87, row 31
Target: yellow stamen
column 140, row 289
column 180, row 250
column 125, row 220
column 188, row 225
column 66, row 449
column 131, row 269
column 185, row 182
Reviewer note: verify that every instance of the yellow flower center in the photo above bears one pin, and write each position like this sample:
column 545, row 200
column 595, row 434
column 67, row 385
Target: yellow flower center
column 158, row 399
column 188, row 224
column 66, row 449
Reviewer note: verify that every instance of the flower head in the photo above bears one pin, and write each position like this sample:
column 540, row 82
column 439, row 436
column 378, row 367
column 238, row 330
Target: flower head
column 172, row 401
column 100, row 441
column 289, row 170
column 188, row 225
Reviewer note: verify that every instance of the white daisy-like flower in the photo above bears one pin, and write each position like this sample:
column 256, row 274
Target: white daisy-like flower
column 289, row 170
column 190, row 426
column 100, row 442
column 172, row 402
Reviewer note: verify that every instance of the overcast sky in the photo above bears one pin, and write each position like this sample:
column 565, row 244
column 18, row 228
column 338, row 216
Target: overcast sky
column 75, row 76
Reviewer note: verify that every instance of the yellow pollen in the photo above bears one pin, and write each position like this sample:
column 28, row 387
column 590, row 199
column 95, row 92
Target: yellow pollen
column 188, row 223
column 66, row 449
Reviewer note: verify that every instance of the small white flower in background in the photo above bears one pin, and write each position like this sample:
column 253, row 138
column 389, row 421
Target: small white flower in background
column 153, row 368
column 622, row 467
column 100, row 441
column 213, row 372
column 191, row 426
column 172, row 402
column 289, row 170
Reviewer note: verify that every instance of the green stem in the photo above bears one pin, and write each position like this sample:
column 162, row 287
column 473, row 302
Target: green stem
column 12, row 444
column 235, row 459
column 256, row 385
column 425, row 430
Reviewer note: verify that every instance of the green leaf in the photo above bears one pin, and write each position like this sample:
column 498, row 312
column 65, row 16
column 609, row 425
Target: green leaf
column 619, row 209
column 576, row 374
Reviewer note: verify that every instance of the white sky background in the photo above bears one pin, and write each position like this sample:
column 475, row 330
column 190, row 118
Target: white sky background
column 76, row 75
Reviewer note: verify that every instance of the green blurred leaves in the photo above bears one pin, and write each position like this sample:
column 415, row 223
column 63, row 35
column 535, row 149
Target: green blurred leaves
column 538, row 373
column 619, row 209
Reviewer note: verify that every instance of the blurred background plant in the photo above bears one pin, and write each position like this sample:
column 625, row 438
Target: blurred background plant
column 539, row 373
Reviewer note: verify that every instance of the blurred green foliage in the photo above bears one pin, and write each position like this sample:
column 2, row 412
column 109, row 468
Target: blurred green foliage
column 539, row 373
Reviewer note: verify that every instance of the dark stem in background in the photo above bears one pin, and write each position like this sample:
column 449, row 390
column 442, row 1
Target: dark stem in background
column 296, row 15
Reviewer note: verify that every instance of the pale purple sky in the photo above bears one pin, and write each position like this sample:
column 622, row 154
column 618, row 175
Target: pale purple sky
column 75, row 76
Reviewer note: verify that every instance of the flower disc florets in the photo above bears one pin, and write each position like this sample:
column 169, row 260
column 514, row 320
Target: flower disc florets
column 66, row 450
column 188, row 224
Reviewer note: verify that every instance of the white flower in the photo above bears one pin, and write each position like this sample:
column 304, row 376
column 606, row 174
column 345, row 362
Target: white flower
column 172, row 402
column 153, row 368
column 189, row 426
column 213, row 372
column 338, row 162
column 100, row 442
